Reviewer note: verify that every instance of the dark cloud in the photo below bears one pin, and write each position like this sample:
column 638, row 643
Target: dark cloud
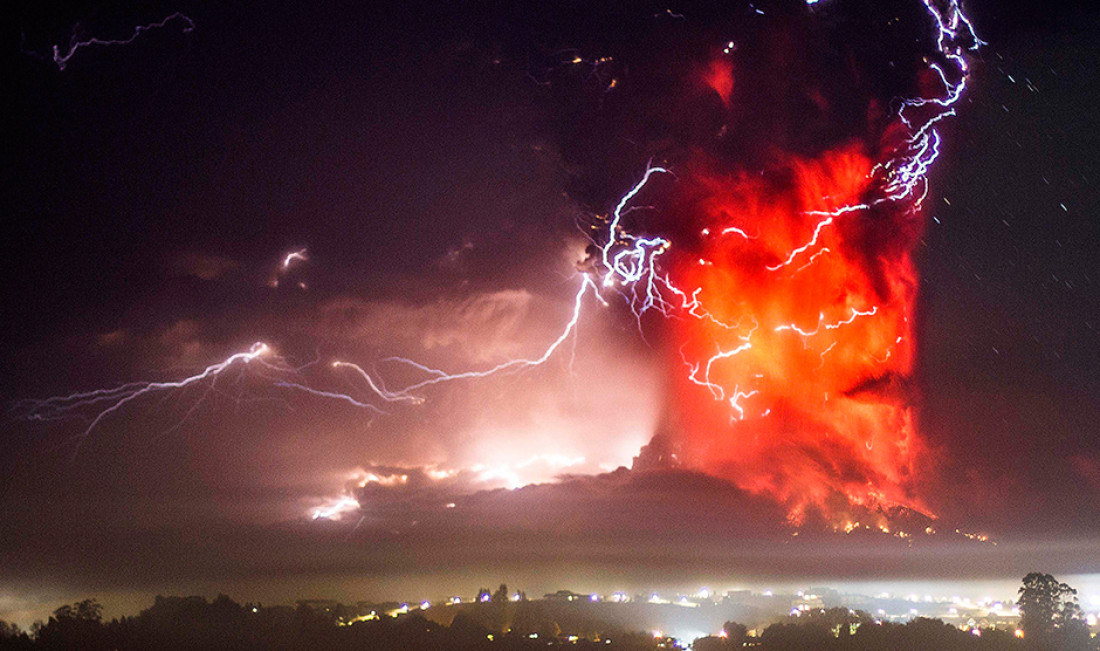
column 202, row 266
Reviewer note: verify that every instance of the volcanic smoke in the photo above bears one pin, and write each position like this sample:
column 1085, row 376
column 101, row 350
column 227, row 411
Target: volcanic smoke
column 793, row 286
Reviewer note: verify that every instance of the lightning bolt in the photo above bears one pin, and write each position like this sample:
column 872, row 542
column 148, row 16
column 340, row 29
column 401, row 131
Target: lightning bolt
column 439, row 377
column 628, row 264
column 117, row 398
column 828, row 326
column 61, row 59
column 299, row 255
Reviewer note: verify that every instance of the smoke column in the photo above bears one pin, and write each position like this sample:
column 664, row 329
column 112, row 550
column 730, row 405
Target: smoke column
column 789, row 269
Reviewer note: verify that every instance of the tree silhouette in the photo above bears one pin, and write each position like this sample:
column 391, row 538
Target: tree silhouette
column 735, row 633
column 1050, row 616
column 12, row 637
column 76, row 626
column 1072, row 627
column 796, row 637
column 88, row 610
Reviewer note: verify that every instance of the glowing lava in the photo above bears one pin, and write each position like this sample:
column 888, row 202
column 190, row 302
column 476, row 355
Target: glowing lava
column 796, row 384
column 795, row 299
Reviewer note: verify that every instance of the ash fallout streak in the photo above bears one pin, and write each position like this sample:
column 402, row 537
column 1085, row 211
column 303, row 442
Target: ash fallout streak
column 787, row 293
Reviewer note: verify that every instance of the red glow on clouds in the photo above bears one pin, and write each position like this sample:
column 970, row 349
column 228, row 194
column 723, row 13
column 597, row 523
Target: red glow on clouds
column 719, row 77
column 813, row 409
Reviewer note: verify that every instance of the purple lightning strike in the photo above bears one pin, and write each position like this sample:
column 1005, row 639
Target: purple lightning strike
column 61, row 59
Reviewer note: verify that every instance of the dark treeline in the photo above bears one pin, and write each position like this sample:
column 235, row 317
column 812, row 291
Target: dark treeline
column 840, row 629
column 193, row 623
column 1057, row 627
column 1051, row 620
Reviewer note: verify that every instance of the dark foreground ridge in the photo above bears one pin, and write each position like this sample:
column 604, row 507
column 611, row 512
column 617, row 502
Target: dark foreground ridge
column 1050, row 619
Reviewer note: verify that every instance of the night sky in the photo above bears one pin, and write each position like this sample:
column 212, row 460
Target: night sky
column 439, row 165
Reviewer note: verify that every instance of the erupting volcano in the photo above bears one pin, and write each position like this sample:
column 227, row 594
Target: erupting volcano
column 787, row 173
column 668, row 314
column 789, row 272
column 796, row 378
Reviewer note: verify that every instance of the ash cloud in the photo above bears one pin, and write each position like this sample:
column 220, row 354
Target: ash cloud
column 766, row 118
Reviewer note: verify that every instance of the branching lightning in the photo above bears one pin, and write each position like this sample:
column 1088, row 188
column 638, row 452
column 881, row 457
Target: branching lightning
column 61, row 58
column 632, row 265
column 74, row 405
